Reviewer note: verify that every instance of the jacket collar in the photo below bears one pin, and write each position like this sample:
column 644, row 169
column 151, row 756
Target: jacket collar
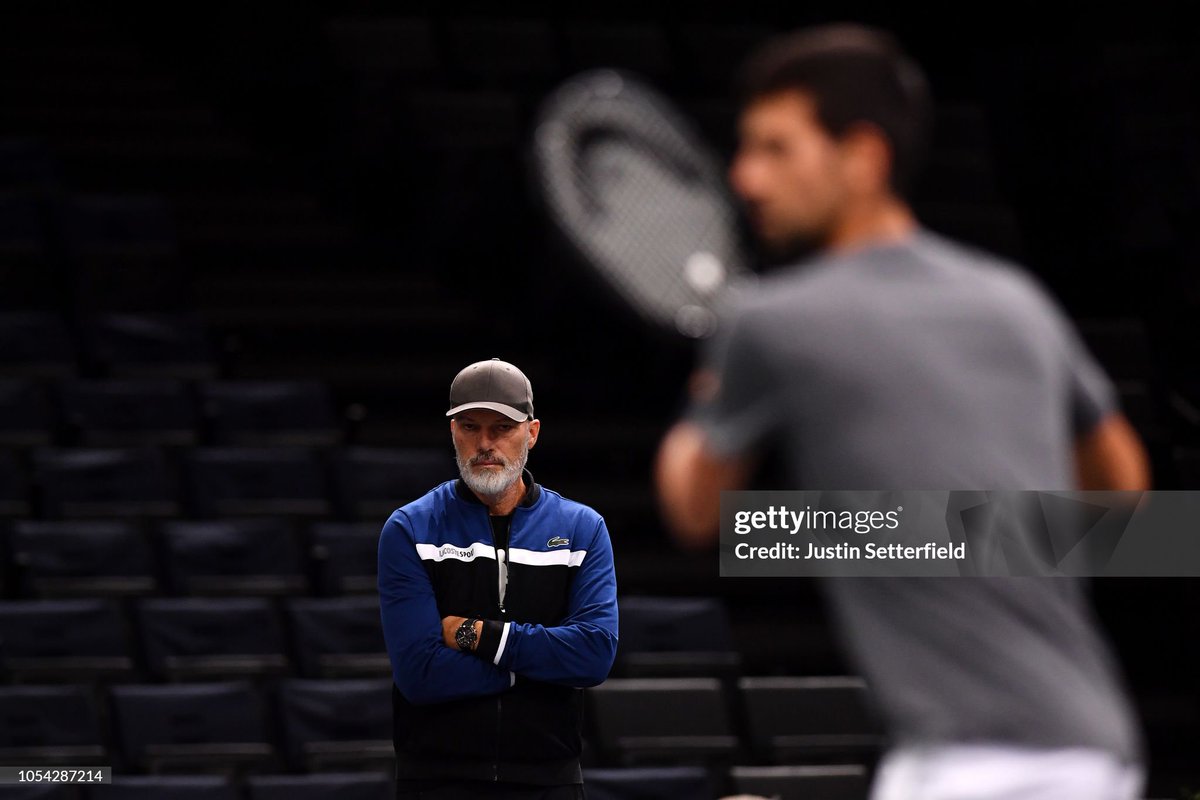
column 532, row 491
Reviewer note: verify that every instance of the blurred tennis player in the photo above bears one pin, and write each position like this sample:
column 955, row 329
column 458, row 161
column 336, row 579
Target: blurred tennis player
column 897, row 359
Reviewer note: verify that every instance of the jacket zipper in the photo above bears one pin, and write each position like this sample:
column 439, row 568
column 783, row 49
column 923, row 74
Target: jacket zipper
column 501, row 587
column 502, row 570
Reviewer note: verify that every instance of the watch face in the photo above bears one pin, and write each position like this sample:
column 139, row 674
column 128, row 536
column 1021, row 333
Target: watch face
column 465, row 635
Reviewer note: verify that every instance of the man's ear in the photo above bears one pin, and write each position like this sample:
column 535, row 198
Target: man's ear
column 868, row 155
column 535, row 427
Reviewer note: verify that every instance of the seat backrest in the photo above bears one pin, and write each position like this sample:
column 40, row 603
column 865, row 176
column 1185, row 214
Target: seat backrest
column 82, row 549
column 47, row 716
column 649, row 783
column 158, row 787
column 198, row 549
column 319, row 786
column 105, row 482
column 200, row 713
column 62, row 629
column 331, row 625
column 196, row 626
column 658, row 707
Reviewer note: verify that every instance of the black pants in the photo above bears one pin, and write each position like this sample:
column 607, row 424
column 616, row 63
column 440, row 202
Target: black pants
column 470, row 790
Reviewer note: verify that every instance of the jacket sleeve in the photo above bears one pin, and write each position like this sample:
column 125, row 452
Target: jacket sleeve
column 579, row 651
column 424, row 669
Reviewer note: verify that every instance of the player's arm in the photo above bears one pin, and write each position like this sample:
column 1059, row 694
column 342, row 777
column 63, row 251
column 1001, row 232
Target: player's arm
column 690, row 479
column 1110, row 456
column 580, row 650
column 423, row 669
column 734, row 412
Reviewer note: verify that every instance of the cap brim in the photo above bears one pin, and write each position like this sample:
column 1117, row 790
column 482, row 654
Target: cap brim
column 508, row 411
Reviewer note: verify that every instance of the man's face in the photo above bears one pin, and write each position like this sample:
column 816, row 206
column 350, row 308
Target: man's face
column 491, row 449
column 789, row 171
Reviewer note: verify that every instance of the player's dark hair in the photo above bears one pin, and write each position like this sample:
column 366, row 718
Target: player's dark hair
column 854, row 74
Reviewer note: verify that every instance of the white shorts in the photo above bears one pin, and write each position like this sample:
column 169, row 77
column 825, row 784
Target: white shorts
column 995, row 772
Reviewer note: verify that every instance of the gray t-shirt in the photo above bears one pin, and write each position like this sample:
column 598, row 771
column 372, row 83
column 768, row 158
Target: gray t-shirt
column 928, row 365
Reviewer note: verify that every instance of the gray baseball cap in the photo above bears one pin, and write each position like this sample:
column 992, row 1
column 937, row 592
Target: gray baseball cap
column 495, row 385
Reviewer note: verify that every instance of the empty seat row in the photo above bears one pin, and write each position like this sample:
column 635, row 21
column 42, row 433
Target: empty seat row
column 786, row 720
column 90, row 227
column 330, row 724
column 117, row 558
column 216, row 482
column 841, row 782
column 323, row 724
column 190, row 639
column 165, row 411
column 514, row 52
column 214, row 637
column 790, row 782
column 42, row 345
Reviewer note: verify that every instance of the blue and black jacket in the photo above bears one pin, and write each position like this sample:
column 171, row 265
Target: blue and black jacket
column 512, row 709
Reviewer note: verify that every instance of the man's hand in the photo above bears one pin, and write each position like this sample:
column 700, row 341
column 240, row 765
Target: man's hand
column 450, row 627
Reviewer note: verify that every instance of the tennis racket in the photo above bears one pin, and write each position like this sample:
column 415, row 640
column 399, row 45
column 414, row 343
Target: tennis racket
column 641, row 199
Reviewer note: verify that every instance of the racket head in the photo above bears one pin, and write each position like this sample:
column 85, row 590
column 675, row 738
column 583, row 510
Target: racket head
column 640, row 197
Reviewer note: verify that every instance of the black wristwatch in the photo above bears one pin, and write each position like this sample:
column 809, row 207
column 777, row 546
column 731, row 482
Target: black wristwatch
column 465, row 637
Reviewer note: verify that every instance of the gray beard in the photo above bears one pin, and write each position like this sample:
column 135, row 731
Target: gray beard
column 492, row 484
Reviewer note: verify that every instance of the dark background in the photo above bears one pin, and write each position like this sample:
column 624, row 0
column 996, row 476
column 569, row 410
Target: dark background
column 343, row 196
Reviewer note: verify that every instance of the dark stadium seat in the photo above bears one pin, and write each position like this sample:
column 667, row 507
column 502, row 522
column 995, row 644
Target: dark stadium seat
column 992, row 227
column 662, row 719
column 14, row 486
column 27, row 164
column 121, row 253
column 503, row 52
column 330, row 724
column 26, row 418
column 642, row 49
column 373, row 482
column 345, row 556
column 959, row 176
column 129, row 413
column 649, row 783
column 714, row 53
column 263, row 413
column 231, row 482
column 39, row 791
column 1122, row 346
column 662, row 636
column 36, row 345
column 809, row 718
column 1187, row 467
column 197, row 728
column 211, row 638
column 161, row 787
column 48, row 641
column 234, row 557
column 381, row 49
column 149, row 346
column 82, row 558
column 127, row 226
column 49, row 726
column 321, row 786
column 836, row 782
column 456, row 121
column 89, row 482
column 26, row 269
column 338, row 637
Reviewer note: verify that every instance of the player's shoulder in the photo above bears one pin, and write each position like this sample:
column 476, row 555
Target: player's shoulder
column 564, row 507
column 427, row 504
column 1004, row 279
